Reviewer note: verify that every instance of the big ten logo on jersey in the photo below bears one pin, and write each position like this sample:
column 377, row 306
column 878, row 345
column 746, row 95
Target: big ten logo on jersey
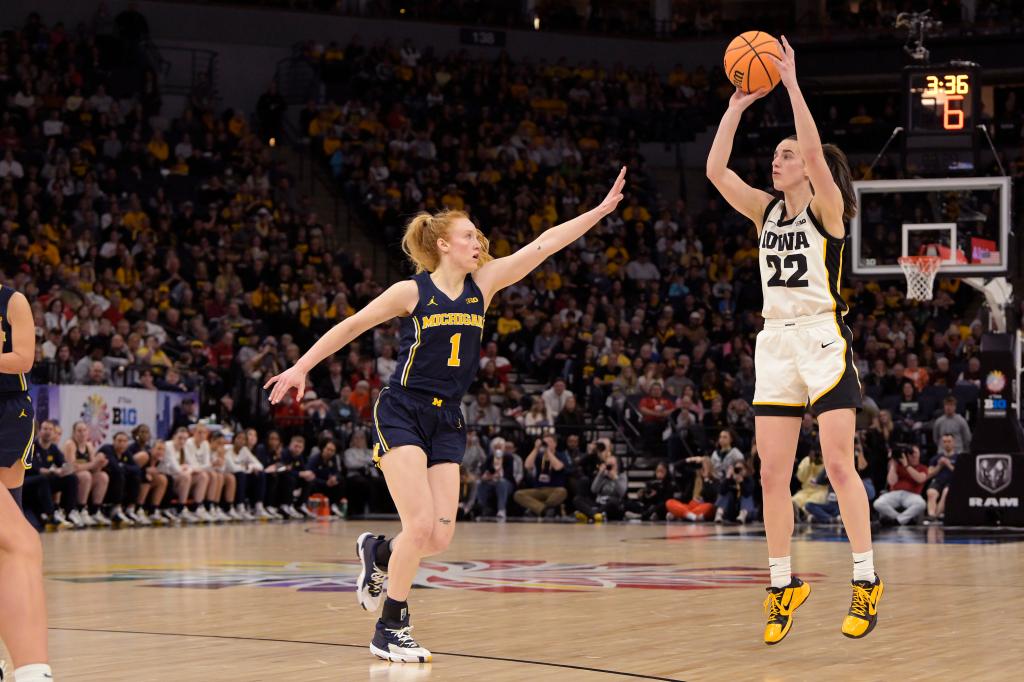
column 788, row 265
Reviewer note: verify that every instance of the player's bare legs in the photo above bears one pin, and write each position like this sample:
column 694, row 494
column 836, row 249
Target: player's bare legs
column 776, row 444
column 22, row 600
column 444, row 489
column 837, row 429
column 406, row 473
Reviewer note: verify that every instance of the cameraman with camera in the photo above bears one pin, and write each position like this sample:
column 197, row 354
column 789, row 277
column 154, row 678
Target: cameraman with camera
column 903, row 503
column 736, row 495
column 547, row 471
column 607, row 492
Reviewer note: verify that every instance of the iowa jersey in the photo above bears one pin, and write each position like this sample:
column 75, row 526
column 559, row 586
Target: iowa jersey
column 9, row 383
column 439, row 348
column 801, row 265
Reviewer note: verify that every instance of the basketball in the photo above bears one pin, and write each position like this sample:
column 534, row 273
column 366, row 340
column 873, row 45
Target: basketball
column 746, row 65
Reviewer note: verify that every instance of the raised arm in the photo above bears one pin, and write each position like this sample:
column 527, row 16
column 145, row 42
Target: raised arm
column 748, row 200
column 397, row 300
column 494, row 276
column 827, row 203
column 23, row 337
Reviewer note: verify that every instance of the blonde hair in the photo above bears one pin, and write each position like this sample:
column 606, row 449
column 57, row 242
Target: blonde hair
column 421, row 234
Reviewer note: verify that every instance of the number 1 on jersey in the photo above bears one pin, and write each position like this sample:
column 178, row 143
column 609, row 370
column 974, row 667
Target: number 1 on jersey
column 453, row 359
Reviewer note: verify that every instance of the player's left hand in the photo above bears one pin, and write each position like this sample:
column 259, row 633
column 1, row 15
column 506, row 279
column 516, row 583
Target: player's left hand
column 292, row 379
column 611, row 201
column 787, row 65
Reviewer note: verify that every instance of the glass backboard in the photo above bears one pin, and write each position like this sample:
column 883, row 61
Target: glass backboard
column 963, row 221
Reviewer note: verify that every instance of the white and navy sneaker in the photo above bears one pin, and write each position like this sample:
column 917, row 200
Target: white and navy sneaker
column 397, row 645
column 370, row 586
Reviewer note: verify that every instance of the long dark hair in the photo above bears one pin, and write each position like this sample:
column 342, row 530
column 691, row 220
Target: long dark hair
column 839, row 166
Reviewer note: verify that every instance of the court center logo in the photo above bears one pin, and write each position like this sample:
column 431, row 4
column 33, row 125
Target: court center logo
column 513, row 576
column 994, row 472
column 96, row 415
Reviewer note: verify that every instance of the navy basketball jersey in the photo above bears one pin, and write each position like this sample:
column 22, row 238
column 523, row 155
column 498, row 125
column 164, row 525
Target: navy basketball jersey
column 439, row 348
column 9, row 383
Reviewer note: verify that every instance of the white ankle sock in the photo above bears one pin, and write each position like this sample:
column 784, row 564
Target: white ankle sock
column 35, row 672
column 781, row 571
column 864, row 566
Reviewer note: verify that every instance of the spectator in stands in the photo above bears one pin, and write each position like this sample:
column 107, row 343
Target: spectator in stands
column 700, row 486
column 63, row 479
column 546, row 474
column 482, row 412
column 570, row 421
column 190, row 484
column 903, row 503
column 607, row 493
column 199, row 457
column 953, row 424
column 655, row 409
column 38, row 492
column 297, row 480
column 726, row 455
column 735, row 496
column 328, row 467
column 535, row 421
column 940, row 471
column 470, row 471
column 228, row 507
column 808, row 473
column 87, row 460
column 251, row 480
column 501, row 473
column 555, row 397
column 650, row 504
column 271, row 456
column 367, row 491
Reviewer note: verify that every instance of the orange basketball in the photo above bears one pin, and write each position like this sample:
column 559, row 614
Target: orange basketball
column 745, row 64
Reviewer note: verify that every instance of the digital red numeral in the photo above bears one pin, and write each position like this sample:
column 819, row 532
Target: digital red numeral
column 952, row 119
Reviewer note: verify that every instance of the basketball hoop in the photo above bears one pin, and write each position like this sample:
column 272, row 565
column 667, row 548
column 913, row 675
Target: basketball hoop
column 920, row 272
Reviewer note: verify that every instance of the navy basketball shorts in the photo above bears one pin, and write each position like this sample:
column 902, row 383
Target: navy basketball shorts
column 403, row 417
column 17, row 429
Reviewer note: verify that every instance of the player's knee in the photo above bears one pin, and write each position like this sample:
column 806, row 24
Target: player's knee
column 84, row 478
column 440, row 539
column 22, row 541
column 419, row 532
column 839, row 474
column 775, row 475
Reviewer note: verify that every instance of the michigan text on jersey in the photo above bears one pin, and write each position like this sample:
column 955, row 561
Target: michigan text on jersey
column 452, row 319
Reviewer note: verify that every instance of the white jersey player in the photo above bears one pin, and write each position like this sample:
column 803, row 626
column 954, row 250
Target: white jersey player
column 803, row 358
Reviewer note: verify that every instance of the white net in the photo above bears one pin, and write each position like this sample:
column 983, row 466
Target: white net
column 920, row 272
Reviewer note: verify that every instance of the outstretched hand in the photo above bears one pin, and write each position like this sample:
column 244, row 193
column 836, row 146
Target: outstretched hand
column 614, row 194
column 787, row 65
column 741, row 100
column 284, row 383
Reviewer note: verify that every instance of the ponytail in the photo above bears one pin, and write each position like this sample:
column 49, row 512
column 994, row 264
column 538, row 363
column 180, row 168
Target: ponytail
column 839, row 166
column 421, row 234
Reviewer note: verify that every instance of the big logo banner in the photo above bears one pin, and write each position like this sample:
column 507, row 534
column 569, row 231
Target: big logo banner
column 106, row 409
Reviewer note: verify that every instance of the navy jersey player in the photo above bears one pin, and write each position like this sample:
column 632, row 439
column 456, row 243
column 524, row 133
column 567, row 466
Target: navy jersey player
column 419, row 437
column 803, row 356
column 22, row 602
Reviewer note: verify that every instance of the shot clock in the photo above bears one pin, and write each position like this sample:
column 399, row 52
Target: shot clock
column 941, row 103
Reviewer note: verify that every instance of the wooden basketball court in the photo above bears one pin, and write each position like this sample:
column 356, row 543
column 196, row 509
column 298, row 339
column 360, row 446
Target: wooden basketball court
column 527, row 601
